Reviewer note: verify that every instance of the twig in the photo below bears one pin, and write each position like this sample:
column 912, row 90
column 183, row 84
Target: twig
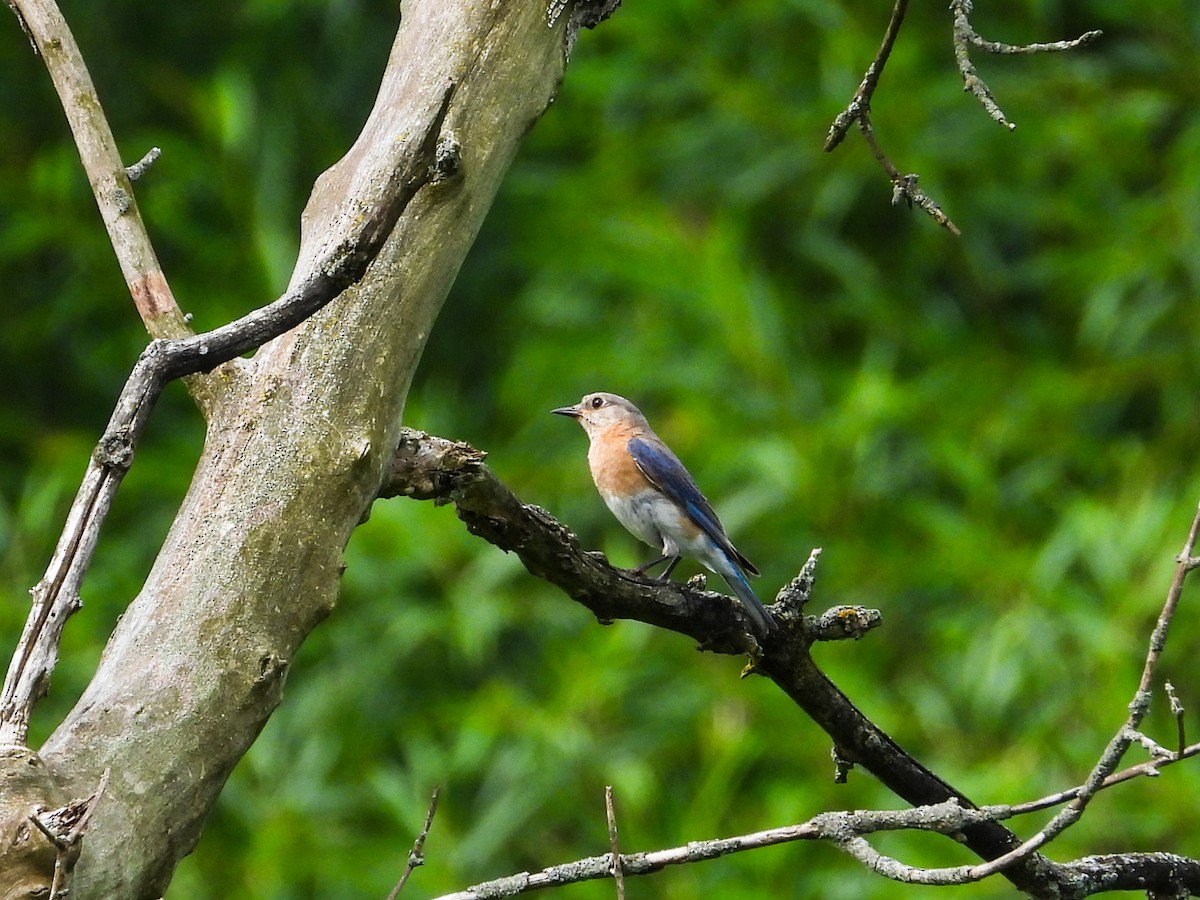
column 64, row 828
column 796, row 593
column 618, row 869
column 965, row 36
column 353, row 243
column 110, row 181
column 839, row 623
column 1138, row 707
column 1148, row 769
column 139, row 168
column 861, row 101
column 416, row 856
column 1151, row 746
column 1177, row 712
column 904, row 187
column 842, row 767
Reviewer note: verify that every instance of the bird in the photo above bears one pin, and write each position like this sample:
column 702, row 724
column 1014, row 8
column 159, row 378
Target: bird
column 650, row 492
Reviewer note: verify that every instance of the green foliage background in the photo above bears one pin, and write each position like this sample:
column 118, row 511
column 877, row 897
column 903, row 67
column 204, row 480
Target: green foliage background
column 993, row 438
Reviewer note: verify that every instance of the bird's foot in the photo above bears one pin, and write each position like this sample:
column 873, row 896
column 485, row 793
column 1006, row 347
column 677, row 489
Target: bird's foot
column 672, row 562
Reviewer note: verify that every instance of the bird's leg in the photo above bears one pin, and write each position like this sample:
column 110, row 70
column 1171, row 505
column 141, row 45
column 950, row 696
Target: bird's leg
column 674, row 561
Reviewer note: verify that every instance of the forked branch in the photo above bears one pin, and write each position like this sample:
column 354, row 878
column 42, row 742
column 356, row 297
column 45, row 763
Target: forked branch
column 432, row 468
column 353, row 243
column 848, row 831
column 427, row 467
column 965, row 37
column 905, row 187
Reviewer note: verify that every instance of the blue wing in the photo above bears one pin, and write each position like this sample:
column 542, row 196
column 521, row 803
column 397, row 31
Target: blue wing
column 668, row 474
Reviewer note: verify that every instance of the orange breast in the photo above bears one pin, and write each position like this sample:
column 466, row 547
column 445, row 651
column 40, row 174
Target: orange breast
column 613, row 469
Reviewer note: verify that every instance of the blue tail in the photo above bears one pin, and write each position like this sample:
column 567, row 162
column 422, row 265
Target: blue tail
column 763, row 621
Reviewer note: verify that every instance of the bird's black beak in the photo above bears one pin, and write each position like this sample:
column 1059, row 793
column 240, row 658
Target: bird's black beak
column 572, row 411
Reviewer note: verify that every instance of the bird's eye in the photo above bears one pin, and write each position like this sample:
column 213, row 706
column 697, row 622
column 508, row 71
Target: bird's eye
column 597, row 402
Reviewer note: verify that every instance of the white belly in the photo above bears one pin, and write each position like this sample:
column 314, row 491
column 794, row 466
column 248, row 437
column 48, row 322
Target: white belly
column 655, row 520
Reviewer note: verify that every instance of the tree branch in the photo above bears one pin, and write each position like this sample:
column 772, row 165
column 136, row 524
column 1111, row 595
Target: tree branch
column 614, row 844
column 352, row 244
column 965, row 37
column 107, row 175
column 1114, row 752
column 432, row 468
column 861, row 101
column 416, row 856
column 427, row 467
column 1089, row 875
column 904, row 187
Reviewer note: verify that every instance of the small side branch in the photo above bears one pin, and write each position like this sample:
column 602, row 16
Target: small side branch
column 618, row 866
column 860, row 103
column 584, row 14
column 64, row 828
column 139, row 168
column 1177, row 712
column 904, row 187
column 416, row 856
column 107, row 175
column 965, row 37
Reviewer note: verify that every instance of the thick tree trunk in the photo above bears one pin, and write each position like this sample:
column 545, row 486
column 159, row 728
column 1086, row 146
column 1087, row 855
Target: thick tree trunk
column 295, row 452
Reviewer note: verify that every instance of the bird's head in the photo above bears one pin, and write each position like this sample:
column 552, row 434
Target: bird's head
column 599, row 411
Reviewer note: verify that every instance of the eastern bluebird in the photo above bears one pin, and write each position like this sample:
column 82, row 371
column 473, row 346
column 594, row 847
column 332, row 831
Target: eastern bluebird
column 651, row 494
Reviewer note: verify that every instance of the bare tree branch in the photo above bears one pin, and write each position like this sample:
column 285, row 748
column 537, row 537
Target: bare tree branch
column 1177, row 712
column 432, row 468
column 353, row 244
column 618, row 870
column 846, row 830
column 1138, row 707
column 109, row 179
column 141, row 167
column 860, row 103
column 427, row 467
column 904, row 187
column 965, row 37
column 416, row 856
